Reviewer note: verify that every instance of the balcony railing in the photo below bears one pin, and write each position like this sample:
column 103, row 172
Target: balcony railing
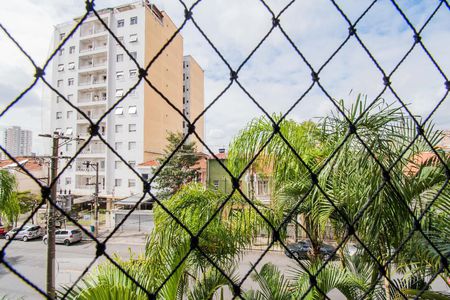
column 93, row 30
column 90, row 49
column 83, row 168
column 89, row 187
column 94, row 150
column 91, row 99
column 91, row 82
column 92, row 65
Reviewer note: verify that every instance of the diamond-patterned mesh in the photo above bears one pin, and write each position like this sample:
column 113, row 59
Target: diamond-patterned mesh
column 385, row 168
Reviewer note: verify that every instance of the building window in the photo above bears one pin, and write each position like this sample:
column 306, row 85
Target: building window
column 133, row 54
column 58, row 99
column 68, row 146
column 120, row 38
column 59, row 83
column 120, row 23
column 131, row 182
column 118, row 128
column 133, row 20
column 131, row 127
column 61, row 52
column 119, row 93
column 132, row 93
column 133, row 38
column 117, row 182
column 59, row 115
column 62, row 36
column 68, row 180
column 70, row 81
column 119, row 74
column 131, row 145
column 133, row 73
column 132, row 163
column 71, row 66
column 60, row 68
column 145, row 176
column 70, row 97
column 69, row 131
column 118, row 111
column 119, row 58
column 69, row 114
column 117, row 164
column 117, row 145
column 132, row 110
column 216, row 184
column 263, row 187
column 71, row 49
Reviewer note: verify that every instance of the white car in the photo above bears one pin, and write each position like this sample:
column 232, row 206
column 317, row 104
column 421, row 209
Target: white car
column 66, row 236
column 28, row 232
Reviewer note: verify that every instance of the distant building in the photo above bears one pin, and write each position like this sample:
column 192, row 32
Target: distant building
column 16, row 141
column 193, row 97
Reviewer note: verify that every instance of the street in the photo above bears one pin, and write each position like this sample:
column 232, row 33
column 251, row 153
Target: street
column 29, row 258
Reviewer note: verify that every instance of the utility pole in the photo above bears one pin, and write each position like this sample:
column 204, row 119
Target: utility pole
column 50, row 284
column 95, row 166
column 51, row 222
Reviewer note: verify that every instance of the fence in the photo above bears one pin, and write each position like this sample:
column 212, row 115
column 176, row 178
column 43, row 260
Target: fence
column 422, row 219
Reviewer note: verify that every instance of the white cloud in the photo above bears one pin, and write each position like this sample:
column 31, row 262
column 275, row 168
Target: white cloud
column 275, row 75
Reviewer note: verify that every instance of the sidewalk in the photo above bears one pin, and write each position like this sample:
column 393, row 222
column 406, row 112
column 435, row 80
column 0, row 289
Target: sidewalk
column 121, row 237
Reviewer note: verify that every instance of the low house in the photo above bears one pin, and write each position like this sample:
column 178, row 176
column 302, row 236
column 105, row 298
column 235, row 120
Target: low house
column 35, row 166
column 254, row 184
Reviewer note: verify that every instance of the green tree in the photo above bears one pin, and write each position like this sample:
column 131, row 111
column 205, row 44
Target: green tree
column 231, row 227
column 349, row 174
column 9, row 206
column 180, row 168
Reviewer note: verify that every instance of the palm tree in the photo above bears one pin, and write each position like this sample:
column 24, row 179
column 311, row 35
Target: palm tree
column 191, row 271
column 272, row 285
column 354, row 185
column 9, row 206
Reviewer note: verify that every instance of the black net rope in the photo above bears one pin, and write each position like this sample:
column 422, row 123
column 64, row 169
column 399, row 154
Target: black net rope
column 277, row 24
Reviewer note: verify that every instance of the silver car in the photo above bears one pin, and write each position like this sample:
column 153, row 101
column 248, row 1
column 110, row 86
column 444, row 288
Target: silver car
column 66, row 236
column 28, row 232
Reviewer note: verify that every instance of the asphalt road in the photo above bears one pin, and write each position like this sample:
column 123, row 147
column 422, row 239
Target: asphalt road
column 29, row 258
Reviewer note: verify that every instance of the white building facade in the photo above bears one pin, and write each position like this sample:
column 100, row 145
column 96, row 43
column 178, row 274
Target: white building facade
column 92, row 71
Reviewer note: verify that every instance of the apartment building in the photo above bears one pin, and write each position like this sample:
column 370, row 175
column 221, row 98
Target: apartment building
column 193, row 97
column 93, row 72
column 16, row 141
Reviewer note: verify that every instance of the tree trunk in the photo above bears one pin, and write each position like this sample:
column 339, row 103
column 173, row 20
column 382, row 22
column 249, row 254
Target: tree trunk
column 387, row 285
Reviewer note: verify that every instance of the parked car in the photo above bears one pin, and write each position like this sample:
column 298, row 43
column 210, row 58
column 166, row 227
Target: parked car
column 302, row 248
column 66, row 236
column 28, row 232
column 2, row 231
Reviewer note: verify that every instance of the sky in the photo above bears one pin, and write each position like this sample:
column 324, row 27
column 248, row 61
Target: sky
column 275, row 75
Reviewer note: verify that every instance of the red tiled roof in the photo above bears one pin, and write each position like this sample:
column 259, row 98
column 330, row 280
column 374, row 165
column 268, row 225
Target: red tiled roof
column 31, row 164
column 149, row 163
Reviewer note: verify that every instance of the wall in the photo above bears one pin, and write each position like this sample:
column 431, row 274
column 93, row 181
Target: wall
column 166, row 74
